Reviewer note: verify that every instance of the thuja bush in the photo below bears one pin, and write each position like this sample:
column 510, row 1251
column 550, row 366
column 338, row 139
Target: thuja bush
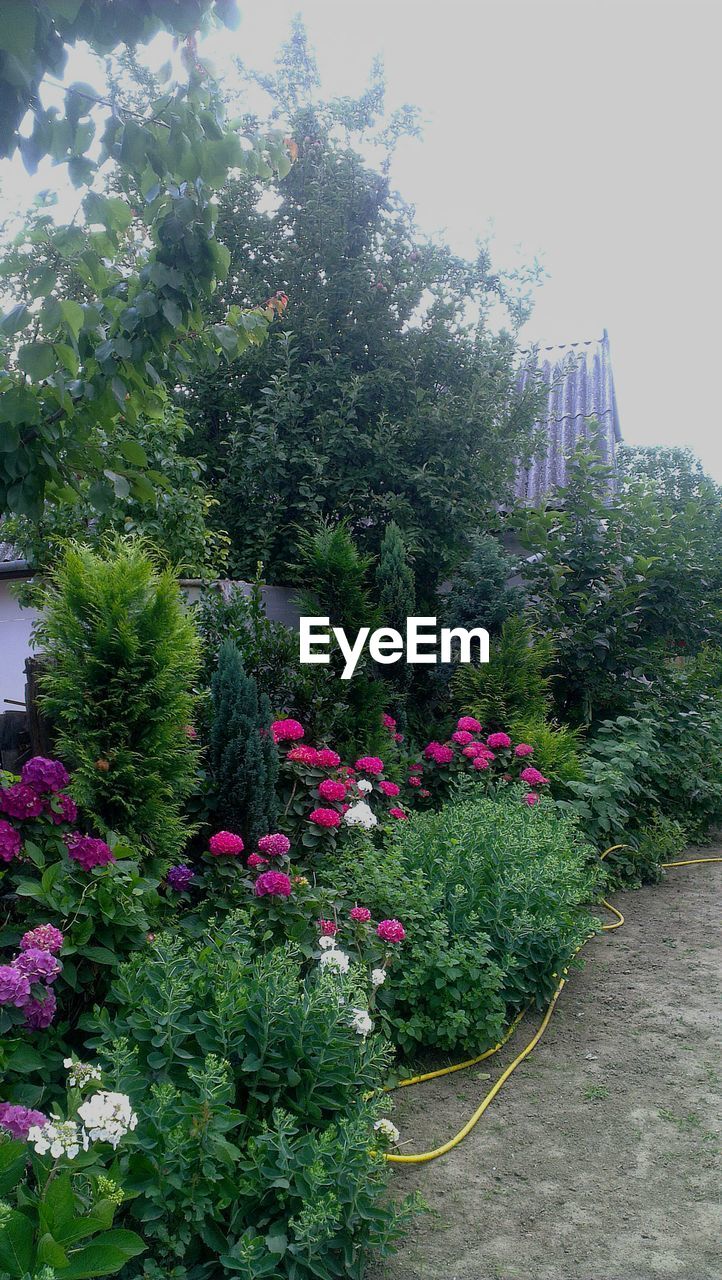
column 120, row 658
column 255, row 1090
column 243, row 761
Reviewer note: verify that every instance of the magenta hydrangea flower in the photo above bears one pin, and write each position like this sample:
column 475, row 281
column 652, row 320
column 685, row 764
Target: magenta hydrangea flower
column 179, row 878
column 10, row 841
column 327, row 759
column 391, row 930
column 44, row 775
column 40, row 1013
column 225, row 842
column 330, row 790
column 439, row 753
column 532, row 776
column 480, row 762
column 89, row 851
column 414, row 780
column 398, row 814
column 388, row 721
column 44, row 937
column 18, row 1121
column 60, row 807
column 14, row 986
column 370, row 764
column 37, row 965
column 276, row 845
column 531, row 798
column 274, row 883
column 462, row 736
column 21, row 801
column 327, row 928
column 325, row 817
column 286, row 730
column 523, row 749
column 304, row 755
column 254, row 860
column 424, row 793
column 498, row 740
column 469, row 723
column 389, row 788
column 361, row 914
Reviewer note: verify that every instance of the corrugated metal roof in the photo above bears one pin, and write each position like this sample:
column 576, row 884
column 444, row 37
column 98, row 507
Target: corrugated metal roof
column 580, row 400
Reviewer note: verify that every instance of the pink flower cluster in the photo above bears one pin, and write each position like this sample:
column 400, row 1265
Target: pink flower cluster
column 286, row 730
column 275, row 884
column 326, row 818
column 439, row 753
column 482, row 757
column 275, row 845
column 34, row 965
column 18, row 1121
column 225, row 843
column 391, row 931
column 89, row 851
column 370, row 765
column 38, row 793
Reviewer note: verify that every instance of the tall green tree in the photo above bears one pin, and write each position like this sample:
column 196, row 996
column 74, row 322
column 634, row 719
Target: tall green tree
column 242, row 754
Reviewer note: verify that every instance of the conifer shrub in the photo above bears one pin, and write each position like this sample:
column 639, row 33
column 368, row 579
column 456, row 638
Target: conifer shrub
column 242, row 753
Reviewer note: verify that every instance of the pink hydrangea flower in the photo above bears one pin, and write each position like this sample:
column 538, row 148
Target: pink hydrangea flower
column 286, row 730
column 361, row 914
column 532, row 776
column 10, row 841
column 531, row 798
column 40, row 1013
column 462, row 736
column 439, row 753
column 330, row 790
column 44, row 775
column 523, row 749
column 18, row 1121
column 44, row 937
column 37, row 965
column 325, row 817
column 276, row 884
column 424, row 793
column 480, row 762
column 191, row 733
column 414, row 780
column 398, row 814
column 14, row 986
column 475, row 749
column 391, row 931
column 327, row 928
column 60, row 808
column 470, row 723
column 304, row 755
column 89, row 851
column 275, row 845
column 416, row 768
column 225, row 842
column 21, row 801
column 255, row 860
column 389, row 788
column 328, row 759
column 370, row 764
column 388, row 721
column 498, row 740
column 398, row 737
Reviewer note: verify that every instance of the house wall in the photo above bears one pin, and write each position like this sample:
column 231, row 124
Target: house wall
column 15, row 645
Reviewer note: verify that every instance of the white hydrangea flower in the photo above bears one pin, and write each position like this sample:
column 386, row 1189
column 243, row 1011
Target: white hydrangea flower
column 378, row 977
column 335, row 959
column 360, row 815
column 327, row 943
column 59, row 1137
column 361, row 1022
column 108, row 1117
column 365, row 786
column 388, row 1129
column 80, row 1073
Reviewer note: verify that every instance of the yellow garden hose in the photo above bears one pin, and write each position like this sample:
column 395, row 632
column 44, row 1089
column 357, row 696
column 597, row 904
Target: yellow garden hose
column 424, row 1156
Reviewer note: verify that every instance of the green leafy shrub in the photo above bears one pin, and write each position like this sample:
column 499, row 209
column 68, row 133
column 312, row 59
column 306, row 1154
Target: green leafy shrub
column 243, row 760
column 515, row 682
column 255, row 1137
column 557, row 747
column 661, row 839
column 121, row 655
column 480, row 594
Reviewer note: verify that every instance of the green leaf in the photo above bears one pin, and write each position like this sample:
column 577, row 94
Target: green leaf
column 104, row 1257
column 121, row 484
column 13, row 1158
column 226, row 337
column 37, row 359
column 14, row 319
column 17, row 30
column 134, row 453
column 16, row 1244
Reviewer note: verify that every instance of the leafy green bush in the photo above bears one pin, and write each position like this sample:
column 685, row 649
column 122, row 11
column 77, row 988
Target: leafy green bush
column 243, row 760
column 121, row 655
column 255, row 1137
column 492, row 890
column 557, row 748
column 480, row 594
column 661, row 839
column 515, row 682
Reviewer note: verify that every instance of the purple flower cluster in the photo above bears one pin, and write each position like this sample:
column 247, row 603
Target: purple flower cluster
column 60, row 808
column 10, row 841
column 38, row 965
column 37, row 793
column 34, row 966
column 18, row 1121
column 44, row 775
column 179, row 878
column 20, row 801
column 14, row 986
column 40, row 1013
column 89, row 851
column 44, row 937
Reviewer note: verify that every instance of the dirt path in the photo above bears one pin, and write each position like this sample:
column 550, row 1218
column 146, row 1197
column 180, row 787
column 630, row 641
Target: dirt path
column 599, row 1159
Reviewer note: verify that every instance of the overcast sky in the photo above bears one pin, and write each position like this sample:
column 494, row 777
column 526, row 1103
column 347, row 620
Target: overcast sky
column 583, row 132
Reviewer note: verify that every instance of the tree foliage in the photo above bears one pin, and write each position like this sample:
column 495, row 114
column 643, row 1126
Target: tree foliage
column 242, row 754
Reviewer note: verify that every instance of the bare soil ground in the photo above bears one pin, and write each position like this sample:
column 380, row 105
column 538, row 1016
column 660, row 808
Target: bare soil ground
column 599, row 1160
